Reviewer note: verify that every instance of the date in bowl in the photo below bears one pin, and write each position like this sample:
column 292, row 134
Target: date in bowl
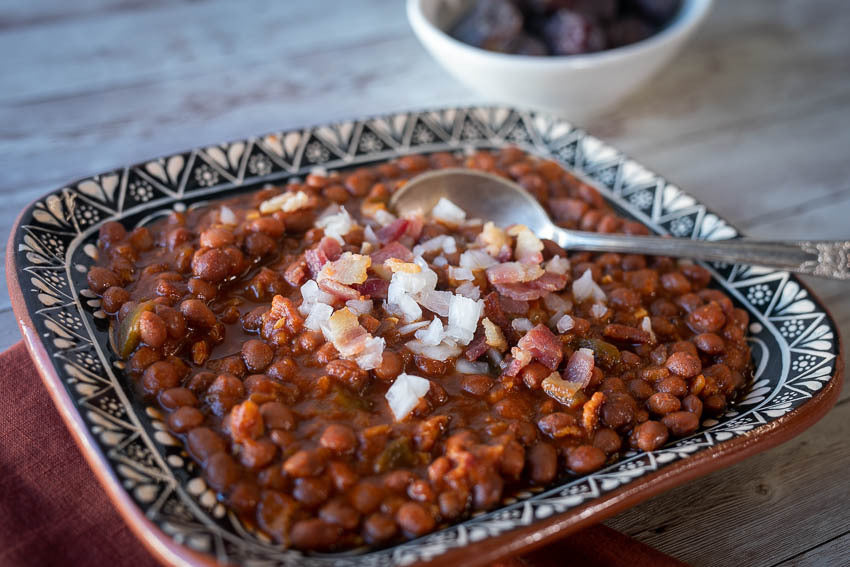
column 575, row 86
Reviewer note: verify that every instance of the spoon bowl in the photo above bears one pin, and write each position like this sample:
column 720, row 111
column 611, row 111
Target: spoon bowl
column 493, row 198
column 482, row 195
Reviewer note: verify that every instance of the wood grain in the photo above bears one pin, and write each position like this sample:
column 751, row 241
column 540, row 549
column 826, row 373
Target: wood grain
column 759, row 512
column 753, row 118
column 824, row 554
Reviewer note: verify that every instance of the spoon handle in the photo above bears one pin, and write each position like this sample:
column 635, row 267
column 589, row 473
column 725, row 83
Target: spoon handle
column 824, row 258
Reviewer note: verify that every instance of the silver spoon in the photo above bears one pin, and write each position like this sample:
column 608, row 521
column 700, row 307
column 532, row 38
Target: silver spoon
column 490, row 197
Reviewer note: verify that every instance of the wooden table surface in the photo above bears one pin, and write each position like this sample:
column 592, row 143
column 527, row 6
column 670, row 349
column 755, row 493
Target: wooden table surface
column 753, row 118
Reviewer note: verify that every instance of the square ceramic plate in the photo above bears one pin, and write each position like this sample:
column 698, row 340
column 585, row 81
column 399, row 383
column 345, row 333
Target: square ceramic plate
column 158, row 489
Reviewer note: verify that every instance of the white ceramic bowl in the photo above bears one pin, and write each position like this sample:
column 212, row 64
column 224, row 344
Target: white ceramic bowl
column 575, row 86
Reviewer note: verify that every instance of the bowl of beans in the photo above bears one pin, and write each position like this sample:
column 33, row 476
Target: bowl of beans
column 270, row 364
column 572, row 57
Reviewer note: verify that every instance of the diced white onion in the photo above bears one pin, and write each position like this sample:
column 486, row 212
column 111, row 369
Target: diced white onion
column 410, row 327
column 312, row 295
column 464, row 314
column 448, row 212
column 553, row 320
column 359, row 306
column 598, row 310
column 475, row 259
column 372, row 354
column 466, row 367
column 433, row 334
column 369, row 235
column 449, row 245
column 410, row 283
column 319, row 315
column 436, row 301
column 227, row 216
column 565, row 323
column 336, row 223
column 286, row 202
column 460, row 274
column 440, row 261
column 443, row 351
column 555, row 302
column 558, row 265
column 585, row 288
column 407, row 307
column 470, row 290
column 405, row 393
column 384, row 217
column 522, row 325
column 442, row 242
column 646, row 325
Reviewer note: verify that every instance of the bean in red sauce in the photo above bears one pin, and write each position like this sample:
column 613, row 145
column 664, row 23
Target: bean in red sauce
column 291, row 421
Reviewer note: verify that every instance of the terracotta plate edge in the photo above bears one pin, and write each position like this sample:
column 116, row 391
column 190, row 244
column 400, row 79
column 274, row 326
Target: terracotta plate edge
column 520, row 540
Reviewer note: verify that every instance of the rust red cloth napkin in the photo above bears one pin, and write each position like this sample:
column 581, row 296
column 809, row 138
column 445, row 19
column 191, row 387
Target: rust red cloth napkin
column 53, row 511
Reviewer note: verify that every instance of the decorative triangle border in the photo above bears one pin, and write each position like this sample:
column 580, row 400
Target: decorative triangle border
column 54, row 244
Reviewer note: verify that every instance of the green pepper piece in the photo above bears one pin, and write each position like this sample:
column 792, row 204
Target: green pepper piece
column 397, row 454
column 128, row 334
column 348, row 401
column 604, row 353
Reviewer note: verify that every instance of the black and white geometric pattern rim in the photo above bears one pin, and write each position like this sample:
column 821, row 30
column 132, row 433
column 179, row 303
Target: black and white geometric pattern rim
column 789, row 329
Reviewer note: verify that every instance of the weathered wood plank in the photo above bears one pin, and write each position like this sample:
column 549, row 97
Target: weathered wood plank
column 752, row 118
column 759, row 512
column 752, row 62
column 825, row 554
column 118, row 49
column 110, row 129
column 20, row 14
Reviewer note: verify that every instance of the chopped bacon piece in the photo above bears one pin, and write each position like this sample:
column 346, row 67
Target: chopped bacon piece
column 494, row 239
column 392, row 231
column 331, row 247
column 326, row 251
column 374, row 287
column 590, row 411
column 518, row 360
column 513, row 272
column 493, row 310
column 559, row 389
column 580, row 367
column 392, row 250
column 283, row 309
column 513, row 306
column 315, row 259
column 532, row 290
column 529, row 248
column 476, row 348
column 339, row 290
column 348, row 269
column 543, row 345
column 296, row 273
column 505, row 254
column 551, row 281
column 414, row 226
column 494, row 334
